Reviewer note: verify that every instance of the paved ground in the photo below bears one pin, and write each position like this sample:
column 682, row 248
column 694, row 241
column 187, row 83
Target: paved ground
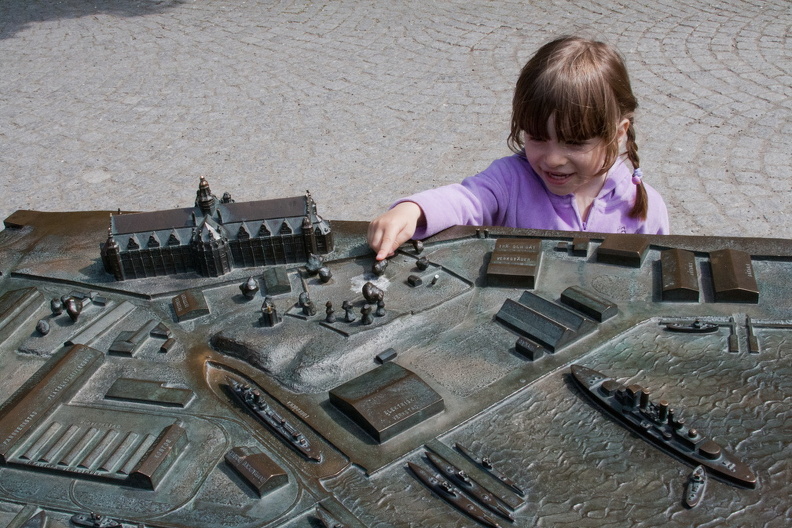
column 124, row 104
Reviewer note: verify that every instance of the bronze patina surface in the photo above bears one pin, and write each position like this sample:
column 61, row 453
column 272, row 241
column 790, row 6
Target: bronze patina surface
column 124, row 411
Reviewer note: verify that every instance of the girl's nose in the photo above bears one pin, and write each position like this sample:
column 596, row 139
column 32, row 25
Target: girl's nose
column 555, row 156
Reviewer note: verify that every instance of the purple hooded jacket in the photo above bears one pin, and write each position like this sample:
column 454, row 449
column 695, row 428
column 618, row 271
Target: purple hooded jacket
column 509, row 193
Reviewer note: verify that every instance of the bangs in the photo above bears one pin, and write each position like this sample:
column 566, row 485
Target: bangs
column 582, row 105
column 582, row 84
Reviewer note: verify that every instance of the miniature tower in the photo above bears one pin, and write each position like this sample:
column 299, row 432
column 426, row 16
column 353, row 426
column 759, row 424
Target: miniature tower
column 204, row 198
column 111, row 256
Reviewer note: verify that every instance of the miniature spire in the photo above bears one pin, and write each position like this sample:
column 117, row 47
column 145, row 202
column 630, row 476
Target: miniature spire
column 204, row 199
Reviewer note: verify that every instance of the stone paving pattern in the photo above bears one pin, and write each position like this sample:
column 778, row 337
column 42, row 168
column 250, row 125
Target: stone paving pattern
column 107, row 105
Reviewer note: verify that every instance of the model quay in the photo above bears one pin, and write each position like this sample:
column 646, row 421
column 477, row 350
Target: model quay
column 249, row 365
column 658, row 423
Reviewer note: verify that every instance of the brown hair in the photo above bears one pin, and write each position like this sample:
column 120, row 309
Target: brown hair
column 584, row 84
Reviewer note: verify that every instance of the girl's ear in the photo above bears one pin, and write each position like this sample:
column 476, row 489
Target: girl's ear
column 621, row 133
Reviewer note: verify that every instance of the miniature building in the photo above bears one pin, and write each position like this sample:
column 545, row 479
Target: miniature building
column 215, row 236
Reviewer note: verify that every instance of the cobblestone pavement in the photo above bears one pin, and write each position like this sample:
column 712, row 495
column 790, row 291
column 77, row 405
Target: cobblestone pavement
column 107, row 105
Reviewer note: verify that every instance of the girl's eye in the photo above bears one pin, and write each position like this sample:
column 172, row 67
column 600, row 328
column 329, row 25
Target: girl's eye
column 580, row 145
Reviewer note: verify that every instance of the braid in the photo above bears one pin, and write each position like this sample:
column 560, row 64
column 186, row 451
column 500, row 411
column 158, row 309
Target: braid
column 641, row 204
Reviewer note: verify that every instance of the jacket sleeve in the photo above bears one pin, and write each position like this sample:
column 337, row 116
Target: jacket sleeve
column 478, row 200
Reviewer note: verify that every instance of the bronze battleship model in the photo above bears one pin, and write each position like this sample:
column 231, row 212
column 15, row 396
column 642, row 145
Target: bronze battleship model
column 657, row 424
column 697, row 483
column 482, row 495
column 696, row 327
column 251, row 399
column 486, row 464
column 452, row 495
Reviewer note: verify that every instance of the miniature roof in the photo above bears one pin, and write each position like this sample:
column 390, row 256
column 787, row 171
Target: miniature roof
column 278, row 208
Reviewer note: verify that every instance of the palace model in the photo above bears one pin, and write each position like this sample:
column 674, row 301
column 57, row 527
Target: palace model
column 215, row 236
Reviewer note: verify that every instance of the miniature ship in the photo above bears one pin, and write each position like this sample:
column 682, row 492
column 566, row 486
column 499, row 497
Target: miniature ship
column 253, row 402
column 486, row 463
column 484, row 497
column 696, row 327
column 452, row 495
column 696, row 486
column 657, row 424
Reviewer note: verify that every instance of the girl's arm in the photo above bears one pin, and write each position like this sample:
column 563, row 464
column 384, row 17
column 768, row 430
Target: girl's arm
column 393, row 228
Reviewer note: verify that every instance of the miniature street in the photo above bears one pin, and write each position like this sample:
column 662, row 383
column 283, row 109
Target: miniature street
column 107, row 105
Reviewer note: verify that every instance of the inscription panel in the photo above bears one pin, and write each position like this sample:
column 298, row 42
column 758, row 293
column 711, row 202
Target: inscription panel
column 679, row 275
column 190, row 304
column 387, row 401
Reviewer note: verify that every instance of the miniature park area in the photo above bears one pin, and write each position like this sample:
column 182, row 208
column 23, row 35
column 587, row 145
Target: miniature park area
column 248, row 364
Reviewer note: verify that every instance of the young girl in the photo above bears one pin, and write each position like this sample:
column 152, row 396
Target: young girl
column 575, row 166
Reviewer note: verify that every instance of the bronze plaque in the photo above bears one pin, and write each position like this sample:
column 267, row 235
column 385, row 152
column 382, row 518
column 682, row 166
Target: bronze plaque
column 387, row 401
column 190, row 304
column 679, row 275
column 514, row 263
column 518, row 245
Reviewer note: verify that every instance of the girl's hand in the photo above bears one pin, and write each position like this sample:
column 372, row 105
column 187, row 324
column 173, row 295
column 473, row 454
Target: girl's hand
column 392, row 229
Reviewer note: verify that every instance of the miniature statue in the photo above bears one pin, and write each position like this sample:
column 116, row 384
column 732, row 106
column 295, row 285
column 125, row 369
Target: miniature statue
column 309, row 308
column 269, row 315
column 302, row 299
column 365, row 312
column 56, row 306
column 380, row 308
column 349, row 315
column 226, row 198
column 43, row 327
column 422, row 263
column 418, row 246
column 249, row 288
column 379, row 267
column 372, row 293
column 330, row 313
column 74, row 308
column 314, row 264
column 325, row 274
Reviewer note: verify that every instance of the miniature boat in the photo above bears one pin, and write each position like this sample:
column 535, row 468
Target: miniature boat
column 254, row 403
column 484, row 497
column 94, row 520
column 696, row 327
column 657, row 424
column 452, row 495
column 486, row 463
column 695, row 487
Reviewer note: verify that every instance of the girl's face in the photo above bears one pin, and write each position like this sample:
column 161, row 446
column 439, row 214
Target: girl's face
column 569, row 168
